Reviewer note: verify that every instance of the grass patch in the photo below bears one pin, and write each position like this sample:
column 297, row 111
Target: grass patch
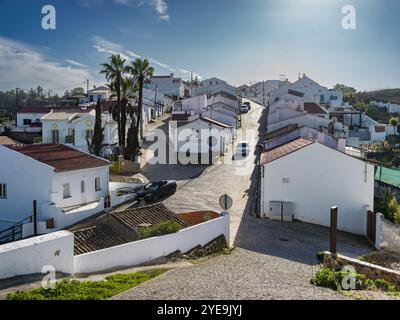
column 88, row 290
column 163, row 228
column 332, row 279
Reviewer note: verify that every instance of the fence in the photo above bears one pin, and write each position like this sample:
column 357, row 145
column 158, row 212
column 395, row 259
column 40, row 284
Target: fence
column 56, row 249
column 388, row 175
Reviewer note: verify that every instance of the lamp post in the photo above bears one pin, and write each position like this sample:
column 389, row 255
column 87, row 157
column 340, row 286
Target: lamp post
column 210, row 145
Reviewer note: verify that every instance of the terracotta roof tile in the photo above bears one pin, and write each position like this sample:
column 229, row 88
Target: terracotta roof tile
column 152, row 215
column 284, row 150
column 96, row 238
column 312, row 107
column 60, row 157
column 4, row 140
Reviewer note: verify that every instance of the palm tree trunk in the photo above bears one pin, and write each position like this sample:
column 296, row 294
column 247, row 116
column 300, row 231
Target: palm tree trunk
column 120, row 140
column 140, row 111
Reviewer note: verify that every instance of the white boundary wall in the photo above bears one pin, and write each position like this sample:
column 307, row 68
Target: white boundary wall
column 56, row 249
column 31, row 255
column 143, row 251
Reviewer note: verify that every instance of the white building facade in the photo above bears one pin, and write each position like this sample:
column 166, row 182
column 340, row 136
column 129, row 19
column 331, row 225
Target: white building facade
column 310, row 178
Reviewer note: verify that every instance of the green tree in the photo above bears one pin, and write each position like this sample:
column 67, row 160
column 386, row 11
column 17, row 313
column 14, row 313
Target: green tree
column 141, row 71
column 394, row 122
column 77, row 91
column 96, row 145
column 114, row 72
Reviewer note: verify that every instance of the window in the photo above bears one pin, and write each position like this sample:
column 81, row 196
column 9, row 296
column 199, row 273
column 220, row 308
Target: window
column 27, row 122
column 97, row 184
column 3, row 190
column 91, row 98
column 89, row 134
column 83, row 187
column 66, row 191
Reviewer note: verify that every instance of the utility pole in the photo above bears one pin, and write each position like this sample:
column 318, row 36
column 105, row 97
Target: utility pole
column 263, row 94
column 191, row 83
column 16, row 103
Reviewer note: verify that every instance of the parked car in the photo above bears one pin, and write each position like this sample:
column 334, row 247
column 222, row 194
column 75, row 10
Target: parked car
column 244, row 109
column 154, row 191
column 247, row 103
column 242, row 150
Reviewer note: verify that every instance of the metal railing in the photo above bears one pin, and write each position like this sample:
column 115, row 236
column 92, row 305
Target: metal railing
column 14, row 232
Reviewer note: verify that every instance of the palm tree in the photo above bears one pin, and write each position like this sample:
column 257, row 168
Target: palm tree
column 141, row 70
column 114, row 72
column 394, row 122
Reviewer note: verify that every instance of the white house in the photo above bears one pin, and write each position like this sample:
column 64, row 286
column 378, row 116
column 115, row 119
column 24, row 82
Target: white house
column 391, row 107
column 197, row 104
column 75, row 126
column 307, row 90
column 214, row 86
column 303, row 179
column 67, row 184
column 171, row 86
column 102, row 93
column 30, row 116
column 190, row 137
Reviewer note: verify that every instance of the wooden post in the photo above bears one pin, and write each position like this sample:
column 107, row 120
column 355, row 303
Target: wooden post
column 35, row 218
column 334, row 212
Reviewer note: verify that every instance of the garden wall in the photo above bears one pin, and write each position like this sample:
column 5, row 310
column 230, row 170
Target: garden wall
column 31, row 255
column 146, row 250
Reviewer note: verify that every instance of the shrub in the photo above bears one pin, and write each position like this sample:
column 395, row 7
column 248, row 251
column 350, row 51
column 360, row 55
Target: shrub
column 332, row 279
column 88, row 290
column 163, row 228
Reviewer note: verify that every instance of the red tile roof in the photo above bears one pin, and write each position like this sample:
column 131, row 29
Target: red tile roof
column 312, row 107
column 7, row 141
column 43, row 110
column 60, row 157
column 284, row 150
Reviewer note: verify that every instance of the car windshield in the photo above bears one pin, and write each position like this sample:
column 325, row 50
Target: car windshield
column 151, row 187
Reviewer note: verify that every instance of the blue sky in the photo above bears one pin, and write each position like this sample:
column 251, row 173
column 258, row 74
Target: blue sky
column 238, row 40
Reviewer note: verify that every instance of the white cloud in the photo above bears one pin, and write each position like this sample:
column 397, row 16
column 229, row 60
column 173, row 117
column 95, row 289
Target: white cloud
column 159, row 6
column 103, row 45
column 24, row 67
column 75, row 63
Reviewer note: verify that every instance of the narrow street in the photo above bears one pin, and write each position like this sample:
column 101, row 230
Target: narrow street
column 200, row 187
column 271, row 260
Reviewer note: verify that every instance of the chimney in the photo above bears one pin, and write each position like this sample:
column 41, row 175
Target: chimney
column 171, row 75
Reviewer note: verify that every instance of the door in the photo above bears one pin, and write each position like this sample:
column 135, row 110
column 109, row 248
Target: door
column 55, row 136
column 371, row 226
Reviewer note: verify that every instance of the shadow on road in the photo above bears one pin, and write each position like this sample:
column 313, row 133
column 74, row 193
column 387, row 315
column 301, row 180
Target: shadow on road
column 298, row 242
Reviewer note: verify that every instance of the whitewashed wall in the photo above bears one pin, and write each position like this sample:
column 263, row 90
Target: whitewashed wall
column 143, row 251
column 316, row 178
column 22, row 188
column 31, row 255
column 74, row 178
column 34, row 117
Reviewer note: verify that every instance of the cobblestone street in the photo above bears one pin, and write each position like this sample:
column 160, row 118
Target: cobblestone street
column 272, row 260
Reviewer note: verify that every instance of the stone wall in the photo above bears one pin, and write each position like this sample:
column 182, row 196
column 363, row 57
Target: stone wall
column 371, row 271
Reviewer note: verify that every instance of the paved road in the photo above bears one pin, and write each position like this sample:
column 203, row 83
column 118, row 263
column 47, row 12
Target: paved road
column 200, row 187
column 272, row 260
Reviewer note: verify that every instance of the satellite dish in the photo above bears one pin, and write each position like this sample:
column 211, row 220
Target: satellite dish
column 226, row 202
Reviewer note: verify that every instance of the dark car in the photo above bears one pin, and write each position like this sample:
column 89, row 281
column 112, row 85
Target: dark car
column 154, row 191
column 247, row 103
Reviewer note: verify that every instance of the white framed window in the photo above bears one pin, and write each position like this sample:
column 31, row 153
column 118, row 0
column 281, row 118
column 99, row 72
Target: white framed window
column 3, row 191
column 83, row 186
column 97, row 184
column 66, row 190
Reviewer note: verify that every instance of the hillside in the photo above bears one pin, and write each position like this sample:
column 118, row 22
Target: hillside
column 387, row 95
